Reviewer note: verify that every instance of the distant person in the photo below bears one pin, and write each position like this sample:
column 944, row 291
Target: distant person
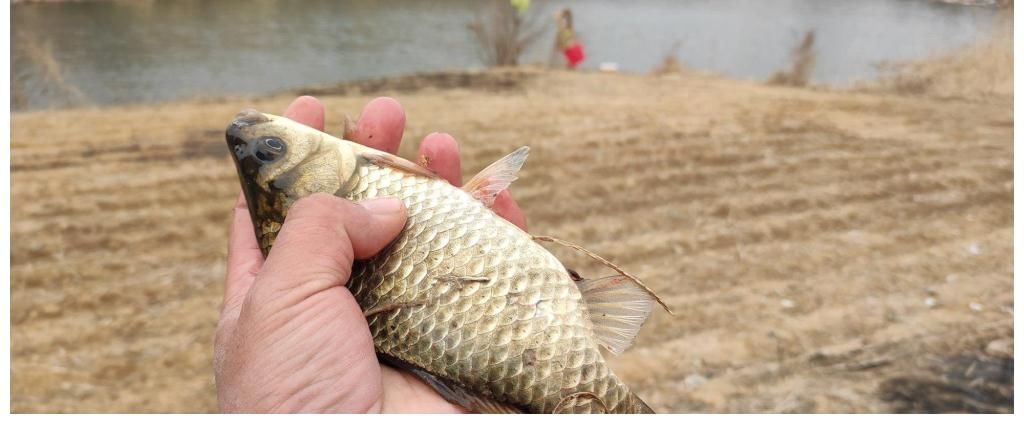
column 521, row 5
column 565, row 39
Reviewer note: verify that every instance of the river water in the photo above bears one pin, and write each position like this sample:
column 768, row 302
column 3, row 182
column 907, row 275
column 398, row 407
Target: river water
column 100, row 53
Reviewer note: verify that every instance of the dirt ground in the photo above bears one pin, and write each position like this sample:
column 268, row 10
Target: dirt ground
column 824, row 251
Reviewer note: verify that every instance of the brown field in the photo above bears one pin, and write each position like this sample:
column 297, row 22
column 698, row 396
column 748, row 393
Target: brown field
column 824, row 251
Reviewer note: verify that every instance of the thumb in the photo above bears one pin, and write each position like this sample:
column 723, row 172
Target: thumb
column 321, row 237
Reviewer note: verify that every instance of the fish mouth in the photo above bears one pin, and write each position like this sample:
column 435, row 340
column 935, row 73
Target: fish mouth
column 235, row 135
column 248, row 117
column 239, row 138
column 264, row 206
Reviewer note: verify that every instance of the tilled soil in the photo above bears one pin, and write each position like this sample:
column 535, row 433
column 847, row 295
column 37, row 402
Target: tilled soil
column 823, row 251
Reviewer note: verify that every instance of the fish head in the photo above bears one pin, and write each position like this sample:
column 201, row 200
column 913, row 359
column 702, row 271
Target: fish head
column 280, row 161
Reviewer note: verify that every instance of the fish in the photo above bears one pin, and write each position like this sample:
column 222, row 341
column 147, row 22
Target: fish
column 472, row 305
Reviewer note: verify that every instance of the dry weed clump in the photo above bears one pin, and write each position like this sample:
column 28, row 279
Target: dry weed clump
column 503, row 34
column 801, row 64
column 973, row 75
column 981, row 71
column 49, row 70
column 670, row 64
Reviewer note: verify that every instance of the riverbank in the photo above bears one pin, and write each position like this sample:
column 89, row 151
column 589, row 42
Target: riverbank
column 824, row 251
column 114, row 53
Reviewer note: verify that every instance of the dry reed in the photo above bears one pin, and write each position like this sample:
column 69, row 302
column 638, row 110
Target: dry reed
column 801, row 64
column 503, row 34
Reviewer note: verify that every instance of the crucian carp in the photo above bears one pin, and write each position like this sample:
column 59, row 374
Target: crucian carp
column 471, row 304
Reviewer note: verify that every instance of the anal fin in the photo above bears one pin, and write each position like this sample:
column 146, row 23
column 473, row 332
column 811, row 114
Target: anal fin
column 452, row 391
column 607, row 263
column 618, row 308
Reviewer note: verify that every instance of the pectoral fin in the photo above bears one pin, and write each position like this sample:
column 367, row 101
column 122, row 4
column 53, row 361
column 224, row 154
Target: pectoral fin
column 618, row 307
column 486, row 185
column 395, row 162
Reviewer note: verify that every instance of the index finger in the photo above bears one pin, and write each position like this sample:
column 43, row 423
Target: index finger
column 306, row 110
column 244, row 256
column 380, row 125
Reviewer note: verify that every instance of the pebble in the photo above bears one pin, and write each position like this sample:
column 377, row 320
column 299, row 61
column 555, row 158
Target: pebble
column 1000, row 348
column 975, row 306
column 50, row 309
column 787, row 303
column 931, row 302
column 694, row 381
column 974, row 249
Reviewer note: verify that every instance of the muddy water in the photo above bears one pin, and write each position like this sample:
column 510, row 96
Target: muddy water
column 141, row 51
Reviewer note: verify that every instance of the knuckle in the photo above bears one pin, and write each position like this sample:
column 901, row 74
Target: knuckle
column 316, row 203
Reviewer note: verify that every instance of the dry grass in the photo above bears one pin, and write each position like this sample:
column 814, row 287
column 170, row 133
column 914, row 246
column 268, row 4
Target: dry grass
column 801, row 64
column 980, row 71
column 670, row 63
column 39, row 53
column 824, row 251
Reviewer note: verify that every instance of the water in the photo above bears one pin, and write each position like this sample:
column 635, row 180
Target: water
column 145, row 51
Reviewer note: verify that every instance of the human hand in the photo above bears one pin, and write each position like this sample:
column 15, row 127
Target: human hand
column 291, row 337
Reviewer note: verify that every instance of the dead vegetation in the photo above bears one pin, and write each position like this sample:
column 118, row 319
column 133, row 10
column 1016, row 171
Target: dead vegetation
column 983, row 71
column 50, row 75
column 503, row 34
column 801, row 64
column 980, row 71
column 670, row 63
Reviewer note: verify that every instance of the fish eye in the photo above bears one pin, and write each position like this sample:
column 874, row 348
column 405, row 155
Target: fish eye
column 269, row 149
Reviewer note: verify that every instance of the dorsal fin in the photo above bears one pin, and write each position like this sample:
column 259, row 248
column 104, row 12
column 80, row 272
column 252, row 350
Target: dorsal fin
column 395, row 162
column 486, row 185
column 618, row 307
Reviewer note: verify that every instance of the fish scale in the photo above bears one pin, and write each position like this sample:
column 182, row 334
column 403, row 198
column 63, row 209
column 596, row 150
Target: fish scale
column 473, row 332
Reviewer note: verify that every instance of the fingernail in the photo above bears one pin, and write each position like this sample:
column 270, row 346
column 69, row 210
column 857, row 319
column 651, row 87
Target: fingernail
column 382, row 206
column 439, row 136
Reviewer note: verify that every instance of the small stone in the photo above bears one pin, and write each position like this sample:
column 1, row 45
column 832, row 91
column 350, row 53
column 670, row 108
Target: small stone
column 694, row 381
column 974, row 249
column 787, row 303
column 975, row 306
column 50, row 309
column 931, row 302
column 1000, row 348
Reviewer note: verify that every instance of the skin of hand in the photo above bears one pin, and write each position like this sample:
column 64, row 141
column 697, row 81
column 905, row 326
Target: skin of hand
column 291, row 337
